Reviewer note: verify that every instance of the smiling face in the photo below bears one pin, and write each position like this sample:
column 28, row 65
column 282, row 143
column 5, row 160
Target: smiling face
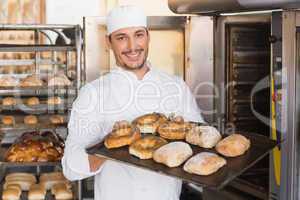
column 130, row 47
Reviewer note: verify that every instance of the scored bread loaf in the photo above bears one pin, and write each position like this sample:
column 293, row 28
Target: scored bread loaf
column 233, row 145
column 204, row 163
column 203, row 136
column 173, row 154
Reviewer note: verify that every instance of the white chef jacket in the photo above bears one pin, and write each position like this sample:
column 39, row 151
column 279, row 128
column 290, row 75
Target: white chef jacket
column 119, row 95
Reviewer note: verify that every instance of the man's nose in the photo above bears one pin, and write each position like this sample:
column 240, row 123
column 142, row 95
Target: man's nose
column 131, row 43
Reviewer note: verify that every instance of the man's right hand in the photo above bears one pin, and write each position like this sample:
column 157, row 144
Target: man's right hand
column 95, row 162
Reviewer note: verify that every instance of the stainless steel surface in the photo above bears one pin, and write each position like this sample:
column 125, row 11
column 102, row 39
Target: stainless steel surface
column 220, row 59
column 199, row 71
column 37, row 91
column 166, row 22
column 24, row 48
column 289, row 189
column 260, row 146
column 216, row 6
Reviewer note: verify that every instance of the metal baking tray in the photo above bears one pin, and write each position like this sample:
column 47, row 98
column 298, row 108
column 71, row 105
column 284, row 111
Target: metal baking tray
column 4, row 163
column 260, row 146
column 43, row 123
column 24, row 194
column 38, row 91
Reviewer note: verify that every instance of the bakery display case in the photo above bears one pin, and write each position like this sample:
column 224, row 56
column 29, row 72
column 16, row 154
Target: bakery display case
column 41, row 71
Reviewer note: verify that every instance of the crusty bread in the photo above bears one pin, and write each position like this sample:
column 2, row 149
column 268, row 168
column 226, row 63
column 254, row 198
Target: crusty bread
column 48, row 180
column 233, row 145
column 173, row 154
column 30, row 119
column 149, row 123
column 8, row 81
column 63, row 194
column 203, row 136
column 11, row 194
column 204, row 163
column 57, row 119
column 9, row 101
column 8, row 120
column 31, row 81
column 60, row 186
column 144, row 147
column 59, row 80
column 54, row 100
column 33, row 101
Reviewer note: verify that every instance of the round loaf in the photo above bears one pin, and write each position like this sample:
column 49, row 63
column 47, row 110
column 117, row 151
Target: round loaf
column 122, row 136
column 31, row 81
column 144, row 147
column 204, row 163
column 149, row 123
column 30, row 119
column 173, row 154
column 57, row 119
column 9, row 101
column 54, row 100
column 8, row 120
column 233, row 145
column 33, row 101
column 174, row 130
column 203, row 136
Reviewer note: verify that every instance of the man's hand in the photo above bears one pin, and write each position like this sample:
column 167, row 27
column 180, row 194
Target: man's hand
column 95, row 162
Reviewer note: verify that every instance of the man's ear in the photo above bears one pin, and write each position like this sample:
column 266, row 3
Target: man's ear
column 108, row 42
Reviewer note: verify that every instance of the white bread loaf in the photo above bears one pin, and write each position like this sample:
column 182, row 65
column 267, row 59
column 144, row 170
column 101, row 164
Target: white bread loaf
column 173, row 154
column 203, row 136
column 204, row 163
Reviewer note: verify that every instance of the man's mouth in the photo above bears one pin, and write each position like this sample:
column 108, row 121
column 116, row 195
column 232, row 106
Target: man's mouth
column 133, row 55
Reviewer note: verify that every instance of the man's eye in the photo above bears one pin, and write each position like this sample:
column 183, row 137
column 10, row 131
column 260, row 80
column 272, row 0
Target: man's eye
column 140, row 35
column 120, row 38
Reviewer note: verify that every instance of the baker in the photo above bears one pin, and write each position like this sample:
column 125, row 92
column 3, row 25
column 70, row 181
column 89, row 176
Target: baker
column 132, row 88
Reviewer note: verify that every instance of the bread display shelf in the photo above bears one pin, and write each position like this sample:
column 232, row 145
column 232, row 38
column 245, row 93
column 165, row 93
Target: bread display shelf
column 260, row 146
column 20, row 62
column 36, row 109
column 38, row 91
column 34, row 48
column 43, row 123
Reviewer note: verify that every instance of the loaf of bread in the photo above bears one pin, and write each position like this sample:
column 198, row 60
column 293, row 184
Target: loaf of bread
column 173, row 154
column 11, row 194
column 57, row 119
column 61, row 186
column 9, row 101
column 8, row 120
column 59, row 80
column 203, row 136
column 36, row 191
column 30, row 119
column 149, row 123
column 54, row 100
column 32, row 101
column 23, row 183
column 8, row 81
column 63, row 194
column 20, row 176
column 204, row 163
column 31, row 81
column 233, row 145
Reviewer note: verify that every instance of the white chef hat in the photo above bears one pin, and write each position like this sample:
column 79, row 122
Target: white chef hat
column 124, row 17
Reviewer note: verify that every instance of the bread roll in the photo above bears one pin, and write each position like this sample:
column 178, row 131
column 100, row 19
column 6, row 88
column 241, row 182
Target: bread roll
column 54, row 100
column 33, row 101
column 174, row 129
column 31, row 81
column 48, row 180
column 8, row 120
column 30, row 119
column 203, row 136
column 149, row 123
column 8, row 81
column 60, row 186
column 16, row 186
column 204, row 163
column 173, row 154
column 233, row 145
column 57, row 119
column 9, row 101
column 59, row 80
column 11, row 194
column 144, row 147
